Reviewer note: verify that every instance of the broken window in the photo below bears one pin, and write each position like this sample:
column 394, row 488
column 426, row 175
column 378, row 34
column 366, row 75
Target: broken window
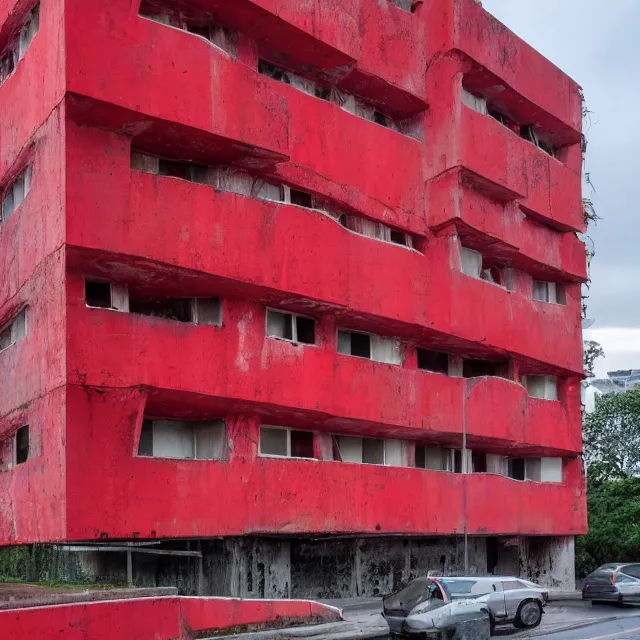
column 286, row 443
column 372, row 451
column 207, row 311
column 15, row 194
column 179, row 309
column 545, row 387
column 484, row 368
column 14, row 331
column 528, row 132
column 433, row 361
column 289, row 326
column 406, row 5
column 372, row 347
column 438, row 459
column 552, row 292
column 198, row 24
column 476, row 103
column 18, row 46
column 376, row 230
column 106, row 295
column 190, row 171
column 202, row 440
column 301, row 198
column 535, row 469
column 479, row 462
column 21, row 446
column 474, row 264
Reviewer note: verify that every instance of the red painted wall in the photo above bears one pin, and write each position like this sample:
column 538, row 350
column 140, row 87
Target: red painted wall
column 97, row 81
column 154, row 618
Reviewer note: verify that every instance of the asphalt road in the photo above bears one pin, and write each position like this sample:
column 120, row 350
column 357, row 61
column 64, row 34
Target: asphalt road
column 572, row 620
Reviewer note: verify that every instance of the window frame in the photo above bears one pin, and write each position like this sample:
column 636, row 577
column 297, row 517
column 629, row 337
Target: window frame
column 288, row 456
column 294, row 327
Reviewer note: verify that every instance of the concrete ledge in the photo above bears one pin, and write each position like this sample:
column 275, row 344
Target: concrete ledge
column 159, row 618
column 71, row 597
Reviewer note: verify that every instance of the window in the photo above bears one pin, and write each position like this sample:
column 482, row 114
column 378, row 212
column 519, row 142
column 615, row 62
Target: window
column 484, row 368
column 14, row 331
column 376, row 230
column 552, row 292
column 194, row 310
column 204, row 440
column 478, row 463
column 370, row 451
column 535, row 469
column 286, row 443
column 18, row 47
column 406, row 5
column 512, row 585
column 438, row 459
column 531, row 134
column 190, row 171
column 15, row 194
column 545, row 387
column 289, row 326
column 474, row 264
column 433, row 361
column 200, row 25
column 372, row 347
column 301, row 198
column 476, row 103
column 21, row 446
column 106, row 295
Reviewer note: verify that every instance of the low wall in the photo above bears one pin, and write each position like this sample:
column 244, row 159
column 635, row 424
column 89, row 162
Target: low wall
column 168, row 618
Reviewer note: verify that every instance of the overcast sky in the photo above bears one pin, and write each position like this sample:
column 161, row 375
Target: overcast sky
column 598, row 44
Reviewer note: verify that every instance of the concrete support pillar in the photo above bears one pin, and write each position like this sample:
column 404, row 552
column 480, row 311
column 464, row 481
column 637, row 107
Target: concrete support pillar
column 549, row 561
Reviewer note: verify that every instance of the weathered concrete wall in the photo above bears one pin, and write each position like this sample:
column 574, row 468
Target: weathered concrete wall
column 549, row 561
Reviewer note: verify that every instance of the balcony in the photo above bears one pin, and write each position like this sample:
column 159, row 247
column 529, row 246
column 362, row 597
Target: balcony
column 542, row 184
column 484, row 40
column 177, row 83
column 235, row 367
column 530, row 245
column 249, row 495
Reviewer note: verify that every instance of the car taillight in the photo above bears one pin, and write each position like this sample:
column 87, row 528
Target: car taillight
column 613, row 578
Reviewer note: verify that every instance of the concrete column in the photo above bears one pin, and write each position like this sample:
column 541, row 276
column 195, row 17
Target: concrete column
column 549, row 561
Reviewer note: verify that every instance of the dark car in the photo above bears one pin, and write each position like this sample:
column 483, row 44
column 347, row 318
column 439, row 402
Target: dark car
column 617, row 582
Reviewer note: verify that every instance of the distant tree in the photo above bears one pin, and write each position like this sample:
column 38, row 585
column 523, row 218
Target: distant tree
column 614, row 525
column 612, row 437
column 592, row 351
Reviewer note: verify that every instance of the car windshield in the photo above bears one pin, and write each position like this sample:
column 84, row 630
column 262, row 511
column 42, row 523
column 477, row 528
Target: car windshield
column 406, row 599
column 457, row 589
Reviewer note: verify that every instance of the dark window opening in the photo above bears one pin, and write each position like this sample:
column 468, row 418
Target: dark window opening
column 335, row 447
column 528, row 132
column 183, row 170
column 516, row 468
column 302, row 444
column 433, row 361
column 481, row 368
column 7, row 64
column 270, row 70
column 361, row 345
column 145, row 446
column 479, row 462
column 492, row 274
column 306, row 330
column 372, row 451
column 421, row 457
column 176, row 309
column 199, row 29
column 301, row 198
column 324, row 93
column 380, row 118
column 398, row 237
column 22, row 444
column 97, row 294
column 457, row 461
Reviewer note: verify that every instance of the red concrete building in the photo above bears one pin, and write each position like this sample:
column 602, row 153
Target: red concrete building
column 290, row 287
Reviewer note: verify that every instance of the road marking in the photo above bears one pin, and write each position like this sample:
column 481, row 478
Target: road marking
column 618, row 634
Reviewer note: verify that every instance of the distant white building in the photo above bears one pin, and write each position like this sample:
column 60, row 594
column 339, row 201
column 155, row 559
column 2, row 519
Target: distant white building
column 615, row 382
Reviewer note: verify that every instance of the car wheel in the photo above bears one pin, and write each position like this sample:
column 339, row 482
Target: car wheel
column 492, row 625
column 529, row 615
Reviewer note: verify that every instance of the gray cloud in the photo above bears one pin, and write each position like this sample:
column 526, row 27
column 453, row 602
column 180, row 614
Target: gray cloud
column 599, row 47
